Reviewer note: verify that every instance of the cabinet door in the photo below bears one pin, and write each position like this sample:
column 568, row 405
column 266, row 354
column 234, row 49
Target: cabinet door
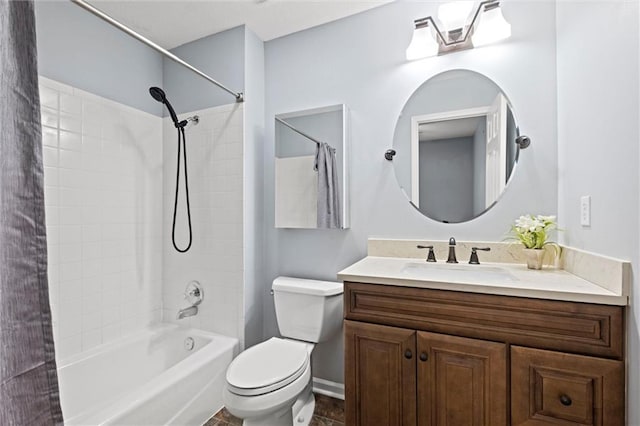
column 461, row 381
column 564, row 389
column 380, row 375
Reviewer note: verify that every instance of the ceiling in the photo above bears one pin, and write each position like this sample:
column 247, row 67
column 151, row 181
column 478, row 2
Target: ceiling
column 449, row 129
column 173, row 23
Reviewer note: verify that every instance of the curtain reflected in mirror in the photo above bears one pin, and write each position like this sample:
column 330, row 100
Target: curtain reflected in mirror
column 311, row 175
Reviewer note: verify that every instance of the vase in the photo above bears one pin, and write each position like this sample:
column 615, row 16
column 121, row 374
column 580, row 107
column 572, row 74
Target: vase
column 534, row 257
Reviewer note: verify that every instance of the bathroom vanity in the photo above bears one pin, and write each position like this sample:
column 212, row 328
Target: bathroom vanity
column 497, row 345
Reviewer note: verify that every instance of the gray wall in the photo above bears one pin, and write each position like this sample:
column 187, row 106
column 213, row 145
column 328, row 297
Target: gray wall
column 360, row 61
column 253, row 203
column 221, row 56
column 76, row 48
column 598, row 134
column 446, row 179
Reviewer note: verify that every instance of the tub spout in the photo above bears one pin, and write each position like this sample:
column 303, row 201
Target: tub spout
column 187, row 312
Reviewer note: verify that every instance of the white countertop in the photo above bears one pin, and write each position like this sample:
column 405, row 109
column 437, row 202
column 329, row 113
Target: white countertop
column 505, row 279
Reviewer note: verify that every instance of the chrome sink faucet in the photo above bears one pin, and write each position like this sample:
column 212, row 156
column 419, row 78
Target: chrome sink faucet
column 452, row 251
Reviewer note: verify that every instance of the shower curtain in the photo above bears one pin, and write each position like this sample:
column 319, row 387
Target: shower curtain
column 28, row 379
column 328, row 207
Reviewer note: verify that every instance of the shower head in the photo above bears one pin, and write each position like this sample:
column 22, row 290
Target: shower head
column 158, row 94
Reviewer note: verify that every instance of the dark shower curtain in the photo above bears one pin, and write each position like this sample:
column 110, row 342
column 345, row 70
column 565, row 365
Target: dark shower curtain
column 28, row 379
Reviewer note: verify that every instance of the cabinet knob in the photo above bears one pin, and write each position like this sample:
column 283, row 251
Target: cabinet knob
column 424, row 356
column 565, row 400
column 408, row 354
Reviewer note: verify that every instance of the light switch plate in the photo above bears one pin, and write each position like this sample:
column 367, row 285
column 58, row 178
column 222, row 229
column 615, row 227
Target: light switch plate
column 585, row 210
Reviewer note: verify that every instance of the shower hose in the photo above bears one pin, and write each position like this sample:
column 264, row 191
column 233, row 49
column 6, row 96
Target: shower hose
column 182, row 144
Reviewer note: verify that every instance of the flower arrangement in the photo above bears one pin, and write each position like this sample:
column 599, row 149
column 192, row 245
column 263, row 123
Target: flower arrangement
column 533, row 231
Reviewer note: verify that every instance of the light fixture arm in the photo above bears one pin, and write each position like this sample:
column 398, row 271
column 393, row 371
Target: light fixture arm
column 422, row 22
column 419, row 23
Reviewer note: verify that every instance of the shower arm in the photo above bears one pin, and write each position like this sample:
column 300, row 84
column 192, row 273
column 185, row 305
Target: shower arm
column 100, row 14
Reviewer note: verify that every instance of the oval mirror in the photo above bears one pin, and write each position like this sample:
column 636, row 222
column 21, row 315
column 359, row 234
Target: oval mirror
column 456, row 146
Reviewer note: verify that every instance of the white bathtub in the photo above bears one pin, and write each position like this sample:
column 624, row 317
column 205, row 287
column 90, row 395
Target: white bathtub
column 148, row 378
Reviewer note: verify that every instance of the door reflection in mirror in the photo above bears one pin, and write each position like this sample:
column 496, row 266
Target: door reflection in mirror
column 459, row 131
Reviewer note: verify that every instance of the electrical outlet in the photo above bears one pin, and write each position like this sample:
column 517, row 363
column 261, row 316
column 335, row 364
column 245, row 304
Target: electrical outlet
column 585, row 210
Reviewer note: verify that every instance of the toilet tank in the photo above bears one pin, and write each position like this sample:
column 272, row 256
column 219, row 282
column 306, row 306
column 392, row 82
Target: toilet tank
column 308, row 310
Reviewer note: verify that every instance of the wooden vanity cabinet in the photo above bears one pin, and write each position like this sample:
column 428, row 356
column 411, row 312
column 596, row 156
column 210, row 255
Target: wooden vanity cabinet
column 418, row 357
column 406, row 377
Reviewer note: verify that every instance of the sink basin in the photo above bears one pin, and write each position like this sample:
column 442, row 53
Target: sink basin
column 452, row 272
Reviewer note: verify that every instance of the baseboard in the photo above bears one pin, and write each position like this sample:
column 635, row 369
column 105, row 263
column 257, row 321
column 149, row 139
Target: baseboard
column 328, row 388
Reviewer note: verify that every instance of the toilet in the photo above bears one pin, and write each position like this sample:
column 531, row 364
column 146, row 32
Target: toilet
column 270, row 383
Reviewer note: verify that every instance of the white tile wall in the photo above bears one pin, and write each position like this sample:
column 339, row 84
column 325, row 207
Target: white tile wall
column 103, row 197
column 215, row 166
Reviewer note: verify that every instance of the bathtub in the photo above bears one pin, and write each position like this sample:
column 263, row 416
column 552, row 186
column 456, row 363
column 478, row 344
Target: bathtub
column 148, row 378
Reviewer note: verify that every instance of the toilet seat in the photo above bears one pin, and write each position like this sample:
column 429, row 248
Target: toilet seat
column 267, row 367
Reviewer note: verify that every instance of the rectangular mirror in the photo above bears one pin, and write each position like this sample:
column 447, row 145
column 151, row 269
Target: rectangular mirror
column 311, row 188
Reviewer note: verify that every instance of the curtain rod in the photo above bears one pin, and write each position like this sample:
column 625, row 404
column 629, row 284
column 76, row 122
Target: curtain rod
column 97, row 12
column 298, row 131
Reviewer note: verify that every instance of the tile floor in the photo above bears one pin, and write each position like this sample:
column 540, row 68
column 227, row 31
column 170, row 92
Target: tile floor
column 328, row 412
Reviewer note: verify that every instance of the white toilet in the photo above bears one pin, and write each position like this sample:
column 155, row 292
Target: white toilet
column 270, row 383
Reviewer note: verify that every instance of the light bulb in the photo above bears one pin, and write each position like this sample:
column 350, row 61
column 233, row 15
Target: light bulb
column 422, row 44
column 454, row 15
column 491, row 26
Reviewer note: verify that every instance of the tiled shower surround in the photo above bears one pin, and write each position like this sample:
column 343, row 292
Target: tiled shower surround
column 109, row 190
column 103, row 197
column 215, row 165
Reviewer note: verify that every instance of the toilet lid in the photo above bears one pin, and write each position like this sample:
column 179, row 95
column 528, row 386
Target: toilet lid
column 267, row 366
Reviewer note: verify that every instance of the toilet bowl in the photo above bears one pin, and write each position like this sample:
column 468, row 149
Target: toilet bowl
column 270, row 383
column 265, row 381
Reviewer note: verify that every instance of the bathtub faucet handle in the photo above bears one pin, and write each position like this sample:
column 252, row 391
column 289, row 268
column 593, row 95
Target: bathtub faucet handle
column 194, row 293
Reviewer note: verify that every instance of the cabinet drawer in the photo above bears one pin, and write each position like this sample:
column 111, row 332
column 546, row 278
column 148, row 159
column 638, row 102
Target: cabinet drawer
column 566, row 326
column 556, row 388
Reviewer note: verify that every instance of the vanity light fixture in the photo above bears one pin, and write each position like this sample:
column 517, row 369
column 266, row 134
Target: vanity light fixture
column 422, row 44
column 487, row 26
column 492, row 26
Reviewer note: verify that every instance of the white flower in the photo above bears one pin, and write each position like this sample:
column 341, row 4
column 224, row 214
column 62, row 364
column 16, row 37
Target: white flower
column 524, row 222
column 547, row 220
column 532, row 230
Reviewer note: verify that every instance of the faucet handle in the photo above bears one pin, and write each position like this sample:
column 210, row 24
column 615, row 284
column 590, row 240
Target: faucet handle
column 194, row 293
column 431, row 257
column 474, row 254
